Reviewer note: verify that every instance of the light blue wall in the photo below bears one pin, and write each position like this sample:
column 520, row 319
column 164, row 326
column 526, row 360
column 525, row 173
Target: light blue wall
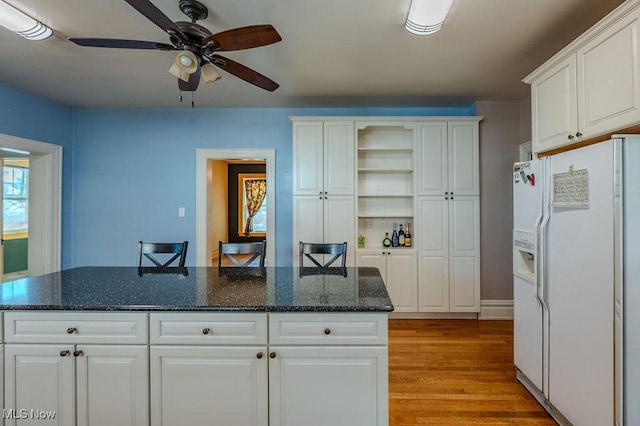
column 31, row 117
column 133, row 168
column 126, row 171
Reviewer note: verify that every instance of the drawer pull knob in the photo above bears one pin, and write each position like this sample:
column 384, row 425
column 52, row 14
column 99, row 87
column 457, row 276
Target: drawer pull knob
column 259, row 355
column 72, row 330
column 327, row 331
column 78, row 353
column 65, row 353
column 272, row 355
column 570, row 137
column 206, row 330
column 578, row 134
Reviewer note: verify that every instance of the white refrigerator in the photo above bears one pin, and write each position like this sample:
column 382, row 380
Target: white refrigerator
column 574, row 258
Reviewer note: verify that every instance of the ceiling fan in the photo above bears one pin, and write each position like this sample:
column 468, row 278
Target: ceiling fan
column 197, row 45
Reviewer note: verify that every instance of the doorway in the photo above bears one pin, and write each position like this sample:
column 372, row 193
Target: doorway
column 212, row 199
column 45, row 201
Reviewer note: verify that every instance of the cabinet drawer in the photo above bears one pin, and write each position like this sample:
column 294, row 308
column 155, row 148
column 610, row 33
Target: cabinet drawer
column 208, row 329
column 75, row 327
column 327, row 329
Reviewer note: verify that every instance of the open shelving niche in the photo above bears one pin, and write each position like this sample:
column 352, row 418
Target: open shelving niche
column 386, row 179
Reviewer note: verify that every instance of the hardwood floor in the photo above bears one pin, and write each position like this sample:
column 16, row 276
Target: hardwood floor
column 456, row 372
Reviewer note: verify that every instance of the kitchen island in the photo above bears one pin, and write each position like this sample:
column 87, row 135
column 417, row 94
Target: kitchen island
column 197, row 346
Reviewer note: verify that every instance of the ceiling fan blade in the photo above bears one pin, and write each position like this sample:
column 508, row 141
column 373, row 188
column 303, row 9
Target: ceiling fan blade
column 245, row 73
column 244, row 37
column 121, row 44
column 192, row 84
column 152, row 13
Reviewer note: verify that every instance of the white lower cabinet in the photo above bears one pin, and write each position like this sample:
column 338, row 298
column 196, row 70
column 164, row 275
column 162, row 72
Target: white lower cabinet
column 76, row 385
column 70, row 368
column 209, row 385
column 227, row 369
column 449, row 252
column 398, row 270
column 320, row 386
column 328, row 369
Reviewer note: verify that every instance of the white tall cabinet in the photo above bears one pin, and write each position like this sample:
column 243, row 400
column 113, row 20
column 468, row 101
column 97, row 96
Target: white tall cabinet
column 449, row 217
column 324, row 181
column 420, row 171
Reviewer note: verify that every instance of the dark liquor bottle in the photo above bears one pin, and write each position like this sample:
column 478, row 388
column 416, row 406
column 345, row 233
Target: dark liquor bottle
column 386, row 242
column 394, row 236
column 401, row 237
column 407, row 236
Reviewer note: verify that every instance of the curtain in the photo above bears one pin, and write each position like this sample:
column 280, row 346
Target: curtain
column 255, row 191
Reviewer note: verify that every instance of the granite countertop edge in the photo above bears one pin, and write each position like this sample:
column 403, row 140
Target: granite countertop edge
column 211, row 309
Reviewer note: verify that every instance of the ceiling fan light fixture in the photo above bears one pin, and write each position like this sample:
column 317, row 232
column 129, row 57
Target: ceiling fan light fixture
column 187, row 62
column 427, row 16
column 22, row 24
column 210, row 74
column 177, row 73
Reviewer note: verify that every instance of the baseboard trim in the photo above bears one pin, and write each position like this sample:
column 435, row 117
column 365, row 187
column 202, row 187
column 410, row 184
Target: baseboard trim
column 496, row 310
column 433, row 315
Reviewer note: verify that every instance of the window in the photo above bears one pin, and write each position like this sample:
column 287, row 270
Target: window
column 259, row 220
column 15, row 192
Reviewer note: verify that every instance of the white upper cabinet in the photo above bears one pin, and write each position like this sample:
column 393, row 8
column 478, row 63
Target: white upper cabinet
column 609, row 78
column 323, row 158
column 448, row 158
column 308, row 148
column 592, row 87
column 554, row 107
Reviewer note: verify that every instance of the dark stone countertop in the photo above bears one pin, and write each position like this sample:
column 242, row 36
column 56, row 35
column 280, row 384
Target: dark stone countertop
column 277, row 289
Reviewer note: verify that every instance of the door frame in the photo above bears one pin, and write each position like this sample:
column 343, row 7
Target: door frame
column 204, row 247
column 45, row 202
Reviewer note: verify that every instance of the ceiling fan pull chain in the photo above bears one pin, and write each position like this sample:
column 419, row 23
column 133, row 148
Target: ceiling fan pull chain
column 193, row 103
column 180, row 97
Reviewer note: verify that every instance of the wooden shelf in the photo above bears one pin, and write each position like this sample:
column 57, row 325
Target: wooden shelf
column 390, row 215
column 386, row 150
column 385, row 195
column 385, row 171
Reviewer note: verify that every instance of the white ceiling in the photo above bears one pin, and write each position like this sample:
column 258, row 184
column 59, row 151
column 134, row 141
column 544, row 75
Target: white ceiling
column 333, row 53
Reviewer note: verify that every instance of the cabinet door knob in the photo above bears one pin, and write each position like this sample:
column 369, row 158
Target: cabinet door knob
column 578, row 134
column 570, row 137
column 327, row 331
column 272, row 355
column 446, row 193
column 206, row 330
column 65, row 353
column 259, row 355
column 446, row 198
column 71, row 330
column 78, row 353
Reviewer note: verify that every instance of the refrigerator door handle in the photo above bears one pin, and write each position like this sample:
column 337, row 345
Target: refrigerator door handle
column 540, row 264
column 537, row 260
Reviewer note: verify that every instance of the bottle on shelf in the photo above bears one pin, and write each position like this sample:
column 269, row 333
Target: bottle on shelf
column 386, row 242
column 401, row 237
column 394, row 236
column 407, row 236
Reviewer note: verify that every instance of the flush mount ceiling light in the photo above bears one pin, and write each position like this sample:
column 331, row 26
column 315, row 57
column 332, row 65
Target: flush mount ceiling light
column 427, row 16
column 21, row 24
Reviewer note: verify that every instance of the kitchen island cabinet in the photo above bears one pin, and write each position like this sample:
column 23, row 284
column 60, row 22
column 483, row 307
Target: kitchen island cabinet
column 207, row 357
